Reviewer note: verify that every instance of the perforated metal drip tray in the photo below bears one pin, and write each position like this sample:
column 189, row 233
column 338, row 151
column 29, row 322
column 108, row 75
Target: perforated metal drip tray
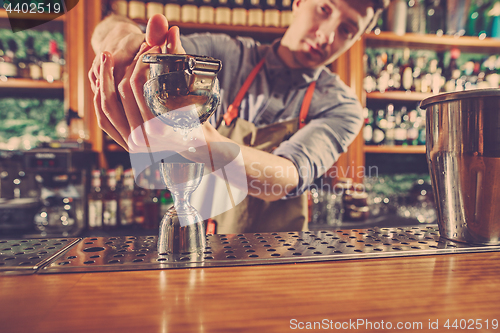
column 27, row 255
column 137, row 253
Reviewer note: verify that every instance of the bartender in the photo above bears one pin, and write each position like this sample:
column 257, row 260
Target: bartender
column 289, row 115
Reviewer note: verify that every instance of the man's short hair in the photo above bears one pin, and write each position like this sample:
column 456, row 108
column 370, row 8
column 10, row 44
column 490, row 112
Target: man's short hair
column 378, row 8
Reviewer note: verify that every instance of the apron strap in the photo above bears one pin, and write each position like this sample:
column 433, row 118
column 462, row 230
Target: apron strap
column 234, row 109
column 306, row 102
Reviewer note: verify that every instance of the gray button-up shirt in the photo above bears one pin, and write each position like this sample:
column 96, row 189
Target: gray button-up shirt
column 335, row 114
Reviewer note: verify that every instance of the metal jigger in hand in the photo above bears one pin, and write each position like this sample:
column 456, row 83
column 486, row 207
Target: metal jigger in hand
column 183, row 92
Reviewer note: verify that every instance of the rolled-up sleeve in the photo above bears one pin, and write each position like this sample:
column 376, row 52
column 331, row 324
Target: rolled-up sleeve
column 315, row 148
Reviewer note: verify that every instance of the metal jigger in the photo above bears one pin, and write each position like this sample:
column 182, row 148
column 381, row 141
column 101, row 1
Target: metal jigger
column 181, row 229
column 183, row 92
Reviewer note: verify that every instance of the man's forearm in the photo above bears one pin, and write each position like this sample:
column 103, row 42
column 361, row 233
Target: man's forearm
column 113, row 24
column 269, row 177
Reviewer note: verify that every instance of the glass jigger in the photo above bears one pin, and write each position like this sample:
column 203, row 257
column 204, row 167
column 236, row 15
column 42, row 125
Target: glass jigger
column 183, row 92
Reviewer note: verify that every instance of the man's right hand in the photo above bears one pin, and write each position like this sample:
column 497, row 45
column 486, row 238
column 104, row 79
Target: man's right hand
column 122, row 38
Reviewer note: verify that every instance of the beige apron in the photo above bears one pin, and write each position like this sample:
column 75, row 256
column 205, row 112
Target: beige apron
column 254, row 214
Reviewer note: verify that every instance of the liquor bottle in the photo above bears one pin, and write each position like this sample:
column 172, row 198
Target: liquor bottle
column 33, row 63
column 51, row 68
column 415, row 22
column 110, row 201
column 286, row 13
column 368, row 129
column 421, row 126
column 379, row 128
column 139, row 194
column 126, row 201
column 407, row 71
column 400, row 129
column 120, row 7
column 435, row 17
column 95, row 202
column 418, row 74
column 239, row 13
column 255, row 13
column 166, row 201
column 412, row 128
column 395, row 80
column 154, row 7
column 271, row 14
column 456, row 13
column 396, row 14
column 383, row 76
column 206, row 12
column 8, row 67
column 390, row 127
column 173, row 11
column 189, row 11
column 152, row 209
column 136, row 10
column 223, row 13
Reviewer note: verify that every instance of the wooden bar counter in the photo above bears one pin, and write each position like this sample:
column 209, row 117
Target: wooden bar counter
column 263, row 298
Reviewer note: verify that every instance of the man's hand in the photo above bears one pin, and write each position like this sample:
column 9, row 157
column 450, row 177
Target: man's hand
column 122, row 38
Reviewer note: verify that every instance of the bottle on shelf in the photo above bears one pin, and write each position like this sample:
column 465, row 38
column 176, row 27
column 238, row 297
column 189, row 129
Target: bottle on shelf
column 286, row 13
column 271, row 14
column 435, row 17
column 415, row 22
column 379, row 127
column 206, row 12
column 173, row 10
column 136, row 10
column 189, row 11
column 152, row 209
column 223, row 12
column 33, row 62
column 412, row 128
column 120, row 7
column 368, row 128
column 396, row 17
column 390, row 127
column 52, row 67
column 154, row 7
column 8, row 67
column 456, row 13
column 139, row 195
column 126, row 201
column 255, row 13
column 166, row 201
column 110, row 201
column 401, row 127
column 407, row 71
column 238, row 13
column 95, row 202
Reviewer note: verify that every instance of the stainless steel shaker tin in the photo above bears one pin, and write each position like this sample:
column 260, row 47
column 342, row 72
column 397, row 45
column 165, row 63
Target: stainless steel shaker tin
column 463, row 153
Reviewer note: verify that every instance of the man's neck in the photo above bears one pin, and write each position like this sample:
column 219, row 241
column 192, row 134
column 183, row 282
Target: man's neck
column 286, row 56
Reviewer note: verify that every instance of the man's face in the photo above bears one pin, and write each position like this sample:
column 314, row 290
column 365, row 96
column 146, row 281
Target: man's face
column 323, row 29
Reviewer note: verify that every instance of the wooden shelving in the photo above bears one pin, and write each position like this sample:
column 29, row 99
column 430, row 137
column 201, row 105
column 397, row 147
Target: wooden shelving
column 266, row 33
column 433, row 42
column 398, row 96
column 26, row 16
column 31, row 84
column 395, row 149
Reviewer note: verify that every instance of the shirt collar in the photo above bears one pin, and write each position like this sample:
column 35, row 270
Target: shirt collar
column 275, row 66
